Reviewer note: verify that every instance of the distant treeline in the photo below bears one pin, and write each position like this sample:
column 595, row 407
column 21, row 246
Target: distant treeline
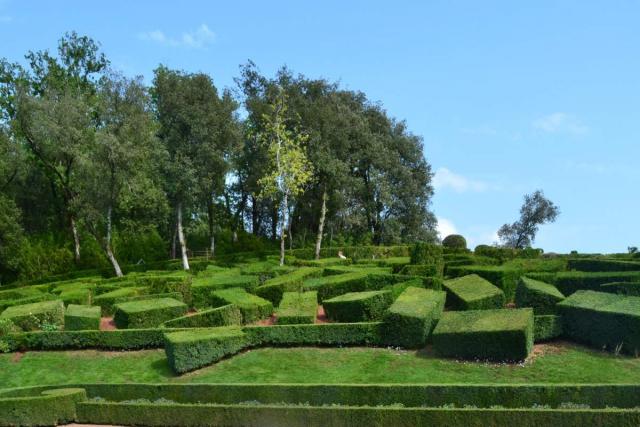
column 99, row 169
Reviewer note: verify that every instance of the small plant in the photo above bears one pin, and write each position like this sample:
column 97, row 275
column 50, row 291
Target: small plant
column 618, row 349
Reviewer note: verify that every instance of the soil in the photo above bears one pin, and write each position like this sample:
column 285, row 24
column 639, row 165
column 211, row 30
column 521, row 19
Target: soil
column 269, row 321
column 107, row 324
column 17, row 356
column 321, row 317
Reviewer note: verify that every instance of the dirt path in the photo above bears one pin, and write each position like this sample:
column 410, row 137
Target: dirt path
column 107, row 324
column 321, row 317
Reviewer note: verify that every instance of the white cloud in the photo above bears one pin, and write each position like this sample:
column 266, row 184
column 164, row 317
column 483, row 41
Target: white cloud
column 445, row 228
column 561, row 123
column 199, row 38
column 444, row 178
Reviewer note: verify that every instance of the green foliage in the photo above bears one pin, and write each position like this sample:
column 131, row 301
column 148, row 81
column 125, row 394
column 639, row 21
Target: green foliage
column 363, row 333
column 190, row 350
column 147, row 313
column 569, row 282
column 76, row 296
column 358, row 306
column 455, row 242
column 603, row 320
column 108, row 299
column 252, row 307
column 410, row 319
column 540, row 296
column 472, row 292
column 203, row 285
column 623, row 288
column 297, row 307
column 504, row 277
column 49, row 407
column 500, row 335
column 426, row 253
column 273, row 289
column 227, row 315
column 33, row 316
column 600, row 264
column 82, row 317
column 547, row 327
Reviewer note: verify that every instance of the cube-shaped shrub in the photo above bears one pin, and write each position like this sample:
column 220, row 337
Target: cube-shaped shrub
column 162, row 283
column 226, row 315
column 80, row 296
column 202, row 286
column 547, row 327
column 622, row 288
column 82, row 317
column 297, row 307
column 358, row 306
column 472, row 292
column 334, row 285
column 603, row 320
column 504, row 277
column 251, row 306
column 31, row 317
column 189, row 350
column 409, row 320
column 540, row 296
column 569, row 282
column 108, row 299
column 498, row 335
column 147, row 313
column 273, row 289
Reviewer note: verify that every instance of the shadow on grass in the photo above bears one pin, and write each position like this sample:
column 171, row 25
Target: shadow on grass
column 162, row 369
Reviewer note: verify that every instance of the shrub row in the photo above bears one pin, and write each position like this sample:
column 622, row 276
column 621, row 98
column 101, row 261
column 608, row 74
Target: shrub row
column 252, row 307
column 412, row 316
column 500, row 335
column 569, row 282
column 273, row 289
column 599, row 264
column 358, row 306
column 540, row 296
column 147, row 313
column 354, row 252
column 297, row 307
column 547, row 327
column 603, row 320
column 203, row 286
column 49, row 408
column 472, row 292
column 623, row 288
column 82, row 317
column 504, row 277
column 30, row 317
column 365, row 333
column 226, row 315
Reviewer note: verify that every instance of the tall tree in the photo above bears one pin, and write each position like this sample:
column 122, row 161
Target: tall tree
column 289, row 170
column 536, row 210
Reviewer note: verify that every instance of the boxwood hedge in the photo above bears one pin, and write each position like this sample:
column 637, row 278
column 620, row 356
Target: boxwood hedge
column 297, row 307
column 273, row 289
column 540, row 296
column 547, row 327
column 147, row 313
column 472, row 292
column 504, row 277
column 251, row 306
column 623, row 288
column 358, row 306
column 82, row 317
column 226, row 315
column 30, row 317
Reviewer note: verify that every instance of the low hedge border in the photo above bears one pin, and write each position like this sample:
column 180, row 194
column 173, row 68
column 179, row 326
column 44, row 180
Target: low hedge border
column 503, row 277
column 358, row 306
column 51, row 407
column 226, row 315
column 251, row 306
column 82, row 317
column 147, row 313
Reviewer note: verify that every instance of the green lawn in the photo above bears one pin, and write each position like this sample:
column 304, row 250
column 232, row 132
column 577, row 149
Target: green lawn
column 559, row 363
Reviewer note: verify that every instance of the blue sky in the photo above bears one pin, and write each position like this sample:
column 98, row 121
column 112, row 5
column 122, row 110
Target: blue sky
column 509, row 97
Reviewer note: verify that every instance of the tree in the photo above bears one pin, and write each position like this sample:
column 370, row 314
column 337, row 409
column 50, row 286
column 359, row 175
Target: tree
column 118, row 176
column 289, row 170
column 536, row 210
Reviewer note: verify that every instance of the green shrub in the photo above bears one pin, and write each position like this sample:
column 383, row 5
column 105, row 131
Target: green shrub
column 354, row 252
column 426, row 253
column 297, row 307
column 500, row 335
column 358, row 306
column 202, row 287
column 30, row 317
column 540, row 296
column 421, row 270
column 226, row 315
column 273, row 289
column 4, row 304
column 547, row 327
column 363, row 333
column 623, row 288
column 409, row 320
column 454, row 241
column 48, row 408
column 599, row 264
column 108, row 299
column 472, row 292
column 77, row 296
column 147, row 313
column 175, row 295
column 504, row 277
column 252, row 307
column 603, row 320
column 189, row 350
column 569, row 282
column 334, row 285
column 168, row 283
column 82, row 317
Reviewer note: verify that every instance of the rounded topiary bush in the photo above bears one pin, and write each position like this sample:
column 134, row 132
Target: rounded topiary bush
column 454, row 241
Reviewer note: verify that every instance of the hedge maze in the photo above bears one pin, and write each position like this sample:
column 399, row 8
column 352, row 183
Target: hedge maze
column 482, row 307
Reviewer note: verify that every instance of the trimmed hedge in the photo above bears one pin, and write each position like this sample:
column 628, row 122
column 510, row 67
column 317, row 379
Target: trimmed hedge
column 569, row 282
column 622, row 288
column 409, row 320
column 252, row 307
column 190, row 350
column 325, row 334
column 82, row 317
column 358, row 306
column 226, row 315
column 51, row 407
column 4, row 304
column 297, row 307
column 604, row 320
column 174, row 295
column 109, row 299
column 540, row 296
column 354, row 252
column 504, row 277
column 547, row 327
column 500, row 335
column 472, row 292
column 30, row 317
column 76, row 296
column 147, row 313
column 273, row 289
column 334, row 285
column 599, row 264
column 202, row 287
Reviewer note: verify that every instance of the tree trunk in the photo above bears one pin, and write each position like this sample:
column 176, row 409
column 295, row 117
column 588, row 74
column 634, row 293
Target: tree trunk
column 76, row 238
column 108, row 249
column 212, row 238
column 274, row 221
column 183, row 242
column 290, row 234
column 235, row 236
column 283, row 232
column 323, row 214
column 255, row 223
column 174, row 242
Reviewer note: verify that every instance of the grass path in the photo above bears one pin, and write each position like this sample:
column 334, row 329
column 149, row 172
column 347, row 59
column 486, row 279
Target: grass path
column 552, row 363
